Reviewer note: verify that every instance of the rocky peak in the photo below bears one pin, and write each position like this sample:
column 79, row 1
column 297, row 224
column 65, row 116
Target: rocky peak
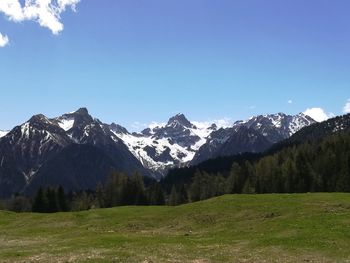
column 118, row 128
column 82, row 111
column 179, row 119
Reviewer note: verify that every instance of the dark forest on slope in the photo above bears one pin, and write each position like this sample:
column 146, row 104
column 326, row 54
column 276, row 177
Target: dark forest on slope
column 316, row 159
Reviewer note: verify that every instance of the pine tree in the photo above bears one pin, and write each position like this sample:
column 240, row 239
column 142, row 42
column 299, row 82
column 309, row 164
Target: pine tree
column 40, row 203
column 100, row 196
column 182, row 195
column 173, row 196
column 52, row 200
column 156, row 195
column 195, row 188
column 62, row 201
column 139, row 189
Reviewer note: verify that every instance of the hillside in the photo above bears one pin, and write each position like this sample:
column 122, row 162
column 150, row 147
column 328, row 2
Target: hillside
column 231, row 228
column 315, row 159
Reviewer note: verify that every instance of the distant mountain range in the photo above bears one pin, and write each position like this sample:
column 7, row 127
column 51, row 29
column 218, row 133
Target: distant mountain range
column 78, row 151
column 316, row 140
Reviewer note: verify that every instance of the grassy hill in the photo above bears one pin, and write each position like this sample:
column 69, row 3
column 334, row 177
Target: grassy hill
column 235, row 228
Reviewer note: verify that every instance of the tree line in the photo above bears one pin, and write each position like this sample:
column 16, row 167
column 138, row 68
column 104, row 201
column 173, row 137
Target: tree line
column 314, row 166
column 318, row 166
column 118, row 190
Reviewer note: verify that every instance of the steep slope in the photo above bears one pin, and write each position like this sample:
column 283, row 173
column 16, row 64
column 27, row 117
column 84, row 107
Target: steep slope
column 83, row 129
column 32, row 149
column 162, row 147
column 317, row 131
column 277, row 127
column 325, row 143
column 76, row 167
column 3, row 133
column 24, row 149
column 260, row 133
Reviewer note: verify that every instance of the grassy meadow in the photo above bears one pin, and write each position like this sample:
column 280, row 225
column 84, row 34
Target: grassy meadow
column 231, row 228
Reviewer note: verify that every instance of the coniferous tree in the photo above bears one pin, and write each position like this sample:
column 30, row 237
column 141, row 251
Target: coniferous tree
column 100, row 196
column 173, row 198
column 81, row 202
column 52, row 204
column 40, row 203
column 156, row 195
column 140, row 197
column 182, row 195
column 61, row 199
column 195, row 188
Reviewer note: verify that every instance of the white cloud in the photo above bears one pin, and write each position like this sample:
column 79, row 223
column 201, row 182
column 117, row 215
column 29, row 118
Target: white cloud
column 45, row 12
column 346, row 108
column 4, row 40
column 12, row 9
column 290, row 102
column 318, row 114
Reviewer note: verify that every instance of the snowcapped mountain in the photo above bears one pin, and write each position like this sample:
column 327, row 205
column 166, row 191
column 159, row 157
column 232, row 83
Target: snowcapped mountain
column 162, row 147
column 39, row 142
column 277, row 127
column 254, row 135
column 25, row 148
column 3, row 133
column 77, row 150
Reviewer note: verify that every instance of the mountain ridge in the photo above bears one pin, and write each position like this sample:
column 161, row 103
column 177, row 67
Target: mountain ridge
column 34, row 147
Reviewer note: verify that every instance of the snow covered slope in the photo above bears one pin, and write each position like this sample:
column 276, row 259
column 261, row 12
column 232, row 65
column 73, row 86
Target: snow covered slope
column 176, row 143
column 3, row 133
column 264, row 131
column 170, row 145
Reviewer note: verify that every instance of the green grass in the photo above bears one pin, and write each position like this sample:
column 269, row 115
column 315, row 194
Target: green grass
column 232, row 228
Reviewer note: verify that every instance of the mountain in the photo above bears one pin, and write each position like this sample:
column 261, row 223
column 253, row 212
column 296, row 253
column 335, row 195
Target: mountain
column 324, row 147
column 254, row 135
column 78, row 166
column 3, row 133
column 77, row 150
column 179, row 142
column 165, row 146
column 316, row 132
column 25, row 148
column 28, row 150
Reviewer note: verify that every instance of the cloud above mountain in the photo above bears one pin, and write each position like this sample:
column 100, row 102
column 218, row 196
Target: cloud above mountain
column 318, row 114
column 346, row 108
column 47, row 13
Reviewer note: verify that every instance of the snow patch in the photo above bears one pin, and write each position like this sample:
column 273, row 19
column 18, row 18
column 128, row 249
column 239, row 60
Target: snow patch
column 25, row 129
column 138, row 143
column 66, row 124
column 3, row 133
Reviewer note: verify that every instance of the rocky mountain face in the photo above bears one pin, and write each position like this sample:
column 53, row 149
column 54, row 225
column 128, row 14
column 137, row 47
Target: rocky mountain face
column 254, row 135
column 3, row 133
column 317, row 131
column 162, row 147
column 27, row 151
column 77, row 150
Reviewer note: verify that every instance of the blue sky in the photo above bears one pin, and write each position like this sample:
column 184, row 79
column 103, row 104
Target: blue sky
column 144, row 60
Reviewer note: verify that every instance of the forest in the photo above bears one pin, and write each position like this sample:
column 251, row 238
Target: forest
column 321, row 165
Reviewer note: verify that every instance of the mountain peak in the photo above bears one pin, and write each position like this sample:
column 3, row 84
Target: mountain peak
column 118, row 128
column 82, row 111
column 181, row 119
column 38, row 118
